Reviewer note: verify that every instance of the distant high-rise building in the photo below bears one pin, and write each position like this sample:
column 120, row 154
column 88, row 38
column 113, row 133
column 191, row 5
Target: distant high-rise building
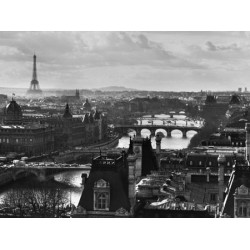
column 239, row 89
column 245, row 89
column 34, row 89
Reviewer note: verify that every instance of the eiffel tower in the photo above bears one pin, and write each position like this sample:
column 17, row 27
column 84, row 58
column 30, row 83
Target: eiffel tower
column 34, row 89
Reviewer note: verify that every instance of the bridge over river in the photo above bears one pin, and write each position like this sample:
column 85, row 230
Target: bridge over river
column 123, row 129
column 42, row 171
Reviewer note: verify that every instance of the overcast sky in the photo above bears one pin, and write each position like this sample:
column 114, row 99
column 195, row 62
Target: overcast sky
column 166, row 61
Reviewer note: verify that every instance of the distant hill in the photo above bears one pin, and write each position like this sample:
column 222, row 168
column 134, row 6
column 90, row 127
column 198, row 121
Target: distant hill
column 116, row 88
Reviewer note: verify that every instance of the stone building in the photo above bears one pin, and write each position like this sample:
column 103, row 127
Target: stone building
column 106, row 190
column 29, row 138
column 65, row 130
column 110, row 189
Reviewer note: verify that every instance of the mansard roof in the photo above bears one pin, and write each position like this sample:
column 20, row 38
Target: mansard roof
column 116, row 177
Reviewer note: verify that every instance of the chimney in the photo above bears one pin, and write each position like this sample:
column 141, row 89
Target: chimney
column 247, row 150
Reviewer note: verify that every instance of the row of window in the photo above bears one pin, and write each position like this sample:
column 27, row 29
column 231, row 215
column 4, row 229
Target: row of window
column 209, row 163
column 16, row 140
column 237, row 143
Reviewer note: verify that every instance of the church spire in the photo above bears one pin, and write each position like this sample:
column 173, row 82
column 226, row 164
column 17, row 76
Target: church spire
column 67, row 113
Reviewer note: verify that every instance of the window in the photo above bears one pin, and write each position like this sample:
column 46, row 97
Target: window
column 228, row 164
column 210, row 163
column 102, row 201
column 0, row 140
column 191, row 163
column 16, row 140
column 243, row 209
column 200, row 163
column 7, row 140
column 101, row 195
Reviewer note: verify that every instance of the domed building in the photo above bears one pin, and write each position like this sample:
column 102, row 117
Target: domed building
column 20, row 136
column 12, row 113
column 87, row 105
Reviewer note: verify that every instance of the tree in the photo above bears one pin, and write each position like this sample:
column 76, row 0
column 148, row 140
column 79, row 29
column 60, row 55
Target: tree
column 41, row 201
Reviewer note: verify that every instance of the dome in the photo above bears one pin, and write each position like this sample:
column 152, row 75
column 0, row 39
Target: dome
column 87, row 105
column 13, row 109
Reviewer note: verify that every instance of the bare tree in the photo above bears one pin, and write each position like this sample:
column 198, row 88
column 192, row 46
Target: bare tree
column 39, row 201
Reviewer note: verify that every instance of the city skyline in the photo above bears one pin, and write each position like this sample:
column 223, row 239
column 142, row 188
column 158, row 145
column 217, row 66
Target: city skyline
column 163, row 61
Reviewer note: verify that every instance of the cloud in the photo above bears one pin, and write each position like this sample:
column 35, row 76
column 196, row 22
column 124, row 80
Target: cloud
column 86, row 59
column 212, row 47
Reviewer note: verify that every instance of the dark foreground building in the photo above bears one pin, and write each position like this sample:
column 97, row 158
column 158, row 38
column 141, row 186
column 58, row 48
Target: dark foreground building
column 110, row 189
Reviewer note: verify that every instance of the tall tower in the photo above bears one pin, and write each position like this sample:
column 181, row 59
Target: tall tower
column 34, row 89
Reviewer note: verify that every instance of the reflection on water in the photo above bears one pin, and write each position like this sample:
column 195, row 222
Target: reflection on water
column 74, row 180
column 69, row 181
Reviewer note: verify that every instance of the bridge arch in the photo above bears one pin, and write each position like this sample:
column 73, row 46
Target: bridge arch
column 177, row 133
column 131, row 132
column 161, row 131
column 145, row 132
column 25, row 172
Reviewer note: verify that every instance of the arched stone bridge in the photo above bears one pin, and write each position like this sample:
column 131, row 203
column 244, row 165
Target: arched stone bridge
column 42, row 172
column 123, row 129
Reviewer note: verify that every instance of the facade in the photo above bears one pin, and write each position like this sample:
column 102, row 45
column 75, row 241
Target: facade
column 105, row 192
column 58, row 132
column 33, row 139
column 110, row 189
column 237, row 197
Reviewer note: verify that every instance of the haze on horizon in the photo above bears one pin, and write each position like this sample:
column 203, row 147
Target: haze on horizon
column 163, row 61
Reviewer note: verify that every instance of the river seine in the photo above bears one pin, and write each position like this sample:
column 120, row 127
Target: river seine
column 71, row 181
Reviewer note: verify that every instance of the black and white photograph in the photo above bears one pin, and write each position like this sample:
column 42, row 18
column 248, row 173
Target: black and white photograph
column 137, row 128
column 125, row 124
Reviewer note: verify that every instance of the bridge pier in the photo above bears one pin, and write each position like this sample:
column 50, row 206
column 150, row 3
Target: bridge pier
column 138, row 131
column 169, row 133
column 184, row 134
